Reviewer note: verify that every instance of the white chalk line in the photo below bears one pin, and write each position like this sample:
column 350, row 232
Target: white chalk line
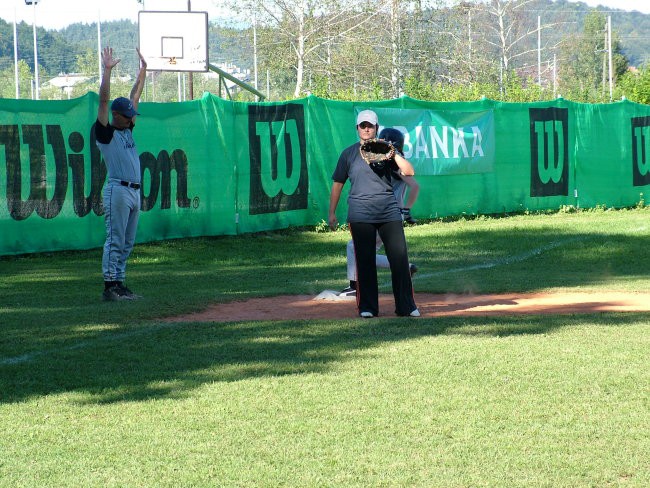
column 500, row 262
column 83, row 344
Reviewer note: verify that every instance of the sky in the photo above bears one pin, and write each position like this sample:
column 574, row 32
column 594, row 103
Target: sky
column 56, row 14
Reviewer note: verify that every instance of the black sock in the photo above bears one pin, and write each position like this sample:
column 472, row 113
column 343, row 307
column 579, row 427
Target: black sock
column 353, row 284
column 109, row 284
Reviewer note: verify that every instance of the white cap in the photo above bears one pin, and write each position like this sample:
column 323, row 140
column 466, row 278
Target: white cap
column 367, row 116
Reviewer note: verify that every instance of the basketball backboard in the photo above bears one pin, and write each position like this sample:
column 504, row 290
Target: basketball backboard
column 174, row 41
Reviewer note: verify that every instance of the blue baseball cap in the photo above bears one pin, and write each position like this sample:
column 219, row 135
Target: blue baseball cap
column 394, row 136
column 124, row 106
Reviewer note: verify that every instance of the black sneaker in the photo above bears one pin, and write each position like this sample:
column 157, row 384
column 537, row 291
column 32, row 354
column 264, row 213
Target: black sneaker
column 406, row 216
column 128, row 293
column 348, row 292
column 413, row 269
column 115, row 294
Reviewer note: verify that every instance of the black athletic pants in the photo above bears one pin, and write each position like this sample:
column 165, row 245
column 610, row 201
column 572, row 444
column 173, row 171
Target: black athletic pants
column 364, row 239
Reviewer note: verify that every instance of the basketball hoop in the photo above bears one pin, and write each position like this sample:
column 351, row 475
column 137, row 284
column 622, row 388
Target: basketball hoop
column 174, row 41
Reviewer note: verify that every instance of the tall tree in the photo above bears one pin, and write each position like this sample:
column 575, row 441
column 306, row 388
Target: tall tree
column 8, row 81
column 507, row 31
column 302, row 31
column 584, row 72
column 635, row 85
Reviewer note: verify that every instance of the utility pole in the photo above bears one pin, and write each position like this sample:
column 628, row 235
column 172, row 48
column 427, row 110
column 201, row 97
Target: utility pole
column 99, row 46
column 609, row 51
column 33, row 4
column 255, row 45
column 17, row 81
column 539, row 50
column 469, row 34
column 191, row 77
column 554, row 75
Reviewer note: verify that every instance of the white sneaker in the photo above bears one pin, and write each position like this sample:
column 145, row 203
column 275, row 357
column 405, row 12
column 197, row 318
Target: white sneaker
column 366, row 315
column 415, row 313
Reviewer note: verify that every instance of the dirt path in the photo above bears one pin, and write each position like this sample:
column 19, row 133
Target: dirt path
column 307, row 306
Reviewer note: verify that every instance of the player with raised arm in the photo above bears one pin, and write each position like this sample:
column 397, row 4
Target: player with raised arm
column 122, row 191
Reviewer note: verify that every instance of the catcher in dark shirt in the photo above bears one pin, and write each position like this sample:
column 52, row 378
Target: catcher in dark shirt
column 372, row 210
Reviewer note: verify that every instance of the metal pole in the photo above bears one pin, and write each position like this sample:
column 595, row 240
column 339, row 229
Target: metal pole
column 16, row 80
column 554, row 75
column 99, row 46
column 469, row 33
column 501, row 76
column 609, row 49
column 539, row 50
column 191, row 77
column 255, row 47
column 36, row 91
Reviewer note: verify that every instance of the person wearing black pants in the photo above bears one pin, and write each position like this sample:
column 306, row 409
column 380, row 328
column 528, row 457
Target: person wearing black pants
column 372, row 210
column 392, row 234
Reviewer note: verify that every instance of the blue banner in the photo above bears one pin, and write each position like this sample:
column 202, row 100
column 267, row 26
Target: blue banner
column 444, row 142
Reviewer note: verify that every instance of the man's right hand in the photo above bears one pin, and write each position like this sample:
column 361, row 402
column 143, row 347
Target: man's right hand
column 108, row 59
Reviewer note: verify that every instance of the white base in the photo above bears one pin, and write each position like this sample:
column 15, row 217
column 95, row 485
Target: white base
column 332, row 295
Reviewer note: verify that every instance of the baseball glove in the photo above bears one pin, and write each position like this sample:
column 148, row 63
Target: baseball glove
column 376, row 152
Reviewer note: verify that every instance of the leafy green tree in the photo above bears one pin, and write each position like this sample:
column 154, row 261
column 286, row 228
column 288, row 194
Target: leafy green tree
column 8, row 81
column 300, row 40
column 430, row 49
column 584, row 70
column 87, row 62
column 635, row 85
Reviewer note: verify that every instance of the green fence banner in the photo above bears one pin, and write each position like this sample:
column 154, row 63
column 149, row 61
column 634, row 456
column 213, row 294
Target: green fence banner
column 217, row 167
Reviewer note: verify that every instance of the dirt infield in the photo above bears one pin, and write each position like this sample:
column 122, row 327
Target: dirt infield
column 294, row 307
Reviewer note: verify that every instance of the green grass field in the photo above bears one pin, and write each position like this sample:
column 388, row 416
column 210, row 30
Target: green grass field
column 96, row 394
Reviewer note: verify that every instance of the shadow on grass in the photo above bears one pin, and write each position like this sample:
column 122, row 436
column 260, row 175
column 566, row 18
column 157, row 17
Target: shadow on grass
column 171, row 360
column 57, row 336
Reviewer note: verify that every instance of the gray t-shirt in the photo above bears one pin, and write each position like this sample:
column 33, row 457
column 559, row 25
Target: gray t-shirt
column 399, row 189
column 371, row 197
column 119, row 151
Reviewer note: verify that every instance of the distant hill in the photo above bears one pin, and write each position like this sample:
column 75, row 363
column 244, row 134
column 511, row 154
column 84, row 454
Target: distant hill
column 633, row 28
column 58, row 49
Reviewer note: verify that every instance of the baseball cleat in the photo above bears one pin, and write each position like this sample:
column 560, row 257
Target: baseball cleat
column 115, row 294
column 406, row 216
column 125, row 290
column 348, row 292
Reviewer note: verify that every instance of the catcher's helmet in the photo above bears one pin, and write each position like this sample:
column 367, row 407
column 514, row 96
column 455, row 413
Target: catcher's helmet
column 393, row 136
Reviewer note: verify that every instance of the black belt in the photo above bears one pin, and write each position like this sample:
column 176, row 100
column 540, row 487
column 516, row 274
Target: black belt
column 135, row 186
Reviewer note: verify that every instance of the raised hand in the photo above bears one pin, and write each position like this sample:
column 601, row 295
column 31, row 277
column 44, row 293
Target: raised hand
column 143, row 63
column 108, row 59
